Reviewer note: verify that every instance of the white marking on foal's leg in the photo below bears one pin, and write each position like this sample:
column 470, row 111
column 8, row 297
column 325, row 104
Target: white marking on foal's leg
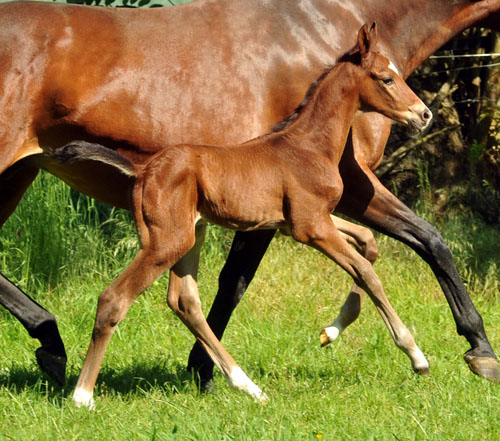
column 404, row 340
column 419, row 362
column 239, row 380
column 83, row 398
column 407, row 344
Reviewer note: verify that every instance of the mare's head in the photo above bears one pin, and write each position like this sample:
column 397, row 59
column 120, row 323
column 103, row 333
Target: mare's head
column 383, row 90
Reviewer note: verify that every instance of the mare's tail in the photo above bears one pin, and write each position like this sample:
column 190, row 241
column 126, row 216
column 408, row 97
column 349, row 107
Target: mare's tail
column 77, row 151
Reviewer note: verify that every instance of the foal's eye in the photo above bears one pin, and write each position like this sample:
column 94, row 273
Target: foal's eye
column 388, row 81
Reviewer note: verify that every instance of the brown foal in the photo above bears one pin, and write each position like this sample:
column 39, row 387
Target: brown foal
column 291, row 180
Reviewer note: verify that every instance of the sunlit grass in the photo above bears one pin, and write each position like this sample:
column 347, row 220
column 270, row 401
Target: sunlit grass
column 359, row 388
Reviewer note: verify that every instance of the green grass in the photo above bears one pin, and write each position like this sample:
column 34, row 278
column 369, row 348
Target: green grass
column 358, row 388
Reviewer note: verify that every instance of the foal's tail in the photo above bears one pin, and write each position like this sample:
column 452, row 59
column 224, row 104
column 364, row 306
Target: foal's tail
column 77, row 151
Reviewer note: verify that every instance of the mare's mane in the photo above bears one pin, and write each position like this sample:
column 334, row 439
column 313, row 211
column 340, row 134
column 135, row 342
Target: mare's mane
column 352, row 56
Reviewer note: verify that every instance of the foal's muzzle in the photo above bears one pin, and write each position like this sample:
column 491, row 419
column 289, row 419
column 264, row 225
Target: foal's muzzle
column 420, row 117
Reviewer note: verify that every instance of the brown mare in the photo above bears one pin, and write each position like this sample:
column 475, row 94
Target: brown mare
column 291, row 181
column 216, row 72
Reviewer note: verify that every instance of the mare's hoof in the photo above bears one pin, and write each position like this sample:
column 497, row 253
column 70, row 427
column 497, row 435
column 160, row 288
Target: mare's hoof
column 53, row 365
column 485, row 367
column 207, row 386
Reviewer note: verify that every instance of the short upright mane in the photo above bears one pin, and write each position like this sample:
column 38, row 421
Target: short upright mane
column 351, row 56
column 312, row 88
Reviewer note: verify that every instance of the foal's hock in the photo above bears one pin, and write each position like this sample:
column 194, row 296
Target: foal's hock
column 291, row 181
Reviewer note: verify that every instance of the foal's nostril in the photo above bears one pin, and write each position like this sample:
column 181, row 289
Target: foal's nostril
column 427, row 115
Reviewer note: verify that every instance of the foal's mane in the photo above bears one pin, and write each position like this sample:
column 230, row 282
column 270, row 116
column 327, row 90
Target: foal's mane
column 352, row 56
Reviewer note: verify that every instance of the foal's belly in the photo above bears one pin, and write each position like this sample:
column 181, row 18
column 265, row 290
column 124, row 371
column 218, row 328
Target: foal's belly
column 245, row 225
column 243, row 215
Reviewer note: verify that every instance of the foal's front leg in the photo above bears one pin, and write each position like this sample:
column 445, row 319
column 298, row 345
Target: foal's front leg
column 364, row 241
column 324, row 236
column 183, row 298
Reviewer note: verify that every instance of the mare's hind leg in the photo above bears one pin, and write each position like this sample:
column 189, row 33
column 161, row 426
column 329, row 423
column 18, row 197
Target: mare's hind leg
column 364, row 241
column 184, row 300
column 246, row 252
column 324, row 236
column 39, row 323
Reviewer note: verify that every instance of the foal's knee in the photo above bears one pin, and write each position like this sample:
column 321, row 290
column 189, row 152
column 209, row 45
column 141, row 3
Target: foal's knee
column 310, row 233
column 369, row 245
column 366, row 277
column 184, row 300
column 109, row 313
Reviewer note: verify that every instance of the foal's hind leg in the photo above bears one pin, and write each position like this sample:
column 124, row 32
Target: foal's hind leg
column 324, row 236
column 114, row 302
column 364, row 241
column 241, row 264
column 184, row 300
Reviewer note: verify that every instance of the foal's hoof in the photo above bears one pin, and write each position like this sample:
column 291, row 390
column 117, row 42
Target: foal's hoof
column 262, row 398
column 323, row 338
column 53, row 365
column 327, row 335
column 485, row 367
column 424, row 372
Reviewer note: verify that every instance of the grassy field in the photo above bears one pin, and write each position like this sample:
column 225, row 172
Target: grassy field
column 64, row 251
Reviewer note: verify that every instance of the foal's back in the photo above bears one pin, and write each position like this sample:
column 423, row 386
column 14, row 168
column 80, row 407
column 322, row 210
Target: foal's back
column 214, row 177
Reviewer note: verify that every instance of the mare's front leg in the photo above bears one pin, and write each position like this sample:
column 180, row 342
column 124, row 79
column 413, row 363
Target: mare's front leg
column 368, row 201
column 39, row 323
column 183, row 298
column 364, row 241
column 324, row 236
column 246, row 252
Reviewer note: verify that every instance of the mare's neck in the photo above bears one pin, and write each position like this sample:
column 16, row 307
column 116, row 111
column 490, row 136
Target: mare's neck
column 323, row 123
column 422, row 26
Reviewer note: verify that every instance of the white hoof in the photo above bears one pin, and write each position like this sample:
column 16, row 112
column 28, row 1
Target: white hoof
column 82, row 398
column 420, row 363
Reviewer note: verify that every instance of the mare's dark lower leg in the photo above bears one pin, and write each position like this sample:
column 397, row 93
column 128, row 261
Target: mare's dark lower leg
column 366, row 200
column 39, row 323
column 244, row 257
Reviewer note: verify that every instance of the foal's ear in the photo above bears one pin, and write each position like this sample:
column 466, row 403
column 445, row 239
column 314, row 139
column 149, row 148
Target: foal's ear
column 367, row 39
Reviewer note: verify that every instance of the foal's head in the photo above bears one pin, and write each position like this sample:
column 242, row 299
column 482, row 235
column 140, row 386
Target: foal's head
column 383, row 90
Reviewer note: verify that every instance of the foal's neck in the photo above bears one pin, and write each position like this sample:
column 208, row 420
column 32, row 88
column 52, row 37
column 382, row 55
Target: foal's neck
column 324, row 122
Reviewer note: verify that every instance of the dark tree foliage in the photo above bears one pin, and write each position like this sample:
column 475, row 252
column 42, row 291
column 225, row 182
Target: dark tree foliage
column 456, row 163
column 126, row 3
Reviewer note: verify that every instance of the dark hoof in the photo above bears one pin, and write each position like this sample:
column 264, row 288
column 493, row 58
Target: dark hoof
column 485, row 367
column 424, row 372
column 207, row 386
column 53, row 365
